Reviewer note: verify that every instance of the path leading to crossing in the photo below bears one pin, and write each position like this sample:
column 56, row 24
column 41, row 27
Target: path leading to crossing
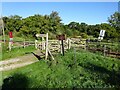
column 19, row 61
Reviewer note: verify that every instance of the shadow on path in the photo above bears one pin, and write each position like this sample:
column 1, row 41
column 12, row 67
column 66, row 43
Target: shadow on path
column 37, row 56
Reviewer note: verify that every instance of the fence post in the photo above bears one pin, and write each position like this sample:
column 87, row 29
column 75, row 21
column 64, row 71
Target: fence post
column 104, row 50
column 43, row 43
column 69, row 43
column 60, row 47
column 10, row 43
column 24, row 43
column 46, row 53
column 36, row 44
column 85, row 44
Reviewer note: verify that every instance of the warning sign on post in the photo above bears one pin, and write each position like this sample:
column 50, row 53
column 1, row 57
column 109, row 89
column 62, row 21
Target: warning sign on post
column 11, row 36
column 61, row 37
column 102, row 33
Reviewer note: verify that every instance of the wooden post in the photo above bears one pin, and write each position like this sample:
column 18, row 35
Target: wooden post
column 28, row 42
column 86, row 44
column 10, row 46
column 51, row 54
column 104, row 50
column 36, row 44
column 43, row 43
column 46, row 53
column 62, row 47
column 24, row 43
column 69, row 43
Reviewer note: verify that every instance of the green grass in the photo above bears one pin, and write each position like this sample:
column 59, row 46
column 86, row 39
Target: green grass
column 16, row 38
column 80, row 69
column 15, row 52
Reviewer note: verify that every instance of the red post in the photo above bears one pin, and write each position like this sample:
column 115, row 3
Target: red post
column 11, row 40
column 11, row 36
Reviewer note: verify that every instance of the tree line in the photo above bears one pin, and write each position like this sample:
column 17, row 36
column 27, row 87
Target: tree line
column 30, row 26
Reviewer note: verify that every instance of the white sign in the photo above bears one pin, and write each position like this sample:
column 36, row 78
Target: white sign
column 102, row 33
column 40, row 35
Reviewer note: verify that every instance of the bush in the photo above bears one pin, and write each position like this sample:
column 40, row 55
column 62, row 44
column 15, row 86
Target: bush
column 84, row 35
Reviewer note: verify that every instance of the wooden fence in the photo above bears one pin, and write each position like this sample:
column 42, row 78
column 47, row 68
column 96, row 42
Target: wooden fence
column 55, row 46
column 106, row 49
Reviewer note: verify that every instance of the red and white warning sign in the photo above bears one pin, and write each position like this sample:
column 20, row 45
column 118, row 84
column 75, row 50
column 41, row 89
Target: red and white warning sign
column 11, row 36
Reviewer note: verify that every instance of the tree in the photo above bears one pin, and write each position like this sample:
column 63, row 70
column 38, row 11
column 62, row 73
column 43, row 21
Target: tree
column 110, row 31
column 114, row 20
column 12, row 23
column 83, row 27
column 54, row 22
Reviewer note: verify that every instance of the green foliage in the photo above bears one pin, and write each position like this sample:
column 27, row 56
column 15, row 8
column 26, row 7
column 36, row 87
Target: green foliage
column 29, row 26
column 85, row 70
column 114, row 20
column 84, row 35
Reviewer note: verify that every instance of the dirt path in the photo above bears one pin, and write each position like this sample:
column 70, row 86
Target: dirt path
column 19, row 61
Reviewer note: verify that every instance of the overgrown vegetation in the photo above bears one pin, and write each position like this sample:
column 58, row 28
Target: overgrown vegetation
column 78, row 69
column 29, row 26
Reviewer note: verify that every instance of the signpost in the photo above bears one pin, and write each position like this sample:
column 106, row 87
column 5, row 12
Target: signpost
column 41, row 35
column 101, row 35
column 61, row 37
column 46, row 49
column 11, row 40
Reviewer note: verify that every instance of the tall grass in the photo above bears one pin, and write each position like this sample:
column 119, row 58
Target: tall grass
column 78, row 69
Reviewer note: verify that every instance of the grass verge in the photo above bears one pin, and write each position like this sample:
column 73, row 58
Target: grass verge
column 78, row 69
column 16, row 52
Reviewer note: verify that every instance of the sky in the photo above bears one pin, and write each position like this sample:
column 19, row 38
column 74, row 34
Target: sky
column 88, row 12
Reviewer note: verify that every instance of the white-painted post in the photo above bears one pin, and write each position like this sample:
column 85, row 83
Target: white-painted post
column 69, row 43
column 46, row 53
column 36, row 44
column 43, row 43
column 85, row 45
column 10, row 43
column 0, row 45
column 51, row 54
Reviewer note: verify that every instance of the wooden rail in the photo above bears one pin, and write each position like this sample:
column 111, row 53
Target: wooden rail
column 55, row 45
